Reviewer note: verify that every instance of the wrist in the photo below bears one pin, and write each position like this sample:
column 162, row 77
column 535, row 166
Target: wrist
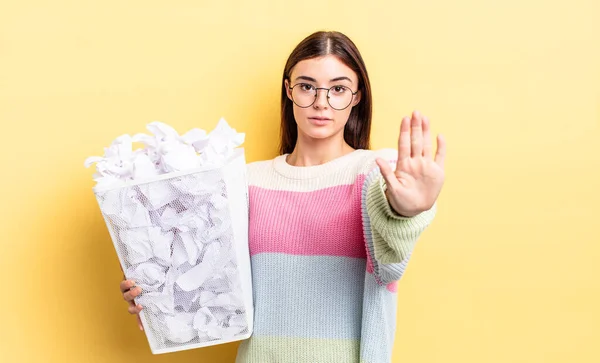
column 399, row 212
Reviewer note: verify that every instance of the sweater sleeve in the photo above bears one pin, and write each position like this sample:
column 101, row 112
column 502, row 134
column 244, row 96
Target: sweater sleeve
column 390, row 237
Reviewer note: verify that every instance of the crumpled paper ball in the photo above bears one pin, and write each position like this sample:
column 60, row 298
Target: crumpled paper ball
column 164, row 151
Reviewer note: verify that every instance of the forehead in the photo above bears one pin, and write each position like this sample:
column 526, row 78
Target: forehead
column 323, row 69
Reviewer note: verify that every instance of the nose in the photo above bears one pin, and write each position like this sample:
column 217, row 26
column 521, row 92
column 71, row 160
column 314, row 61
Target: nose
column 321, row 98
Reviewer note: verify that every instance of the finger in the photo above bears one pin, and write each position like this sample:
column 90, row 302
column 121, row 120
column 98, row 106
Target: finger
column 139, row 320
column 387, row 173
column 132, row 294
column 416, row 135
column 440, row 155
column 126, row 285
column 134, row 309
column 404, row 140
column 426, row 138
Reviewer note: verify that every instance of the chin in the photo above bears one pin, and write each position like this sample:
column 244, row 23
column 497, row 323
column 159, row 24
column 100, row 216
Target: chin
column 319, row 133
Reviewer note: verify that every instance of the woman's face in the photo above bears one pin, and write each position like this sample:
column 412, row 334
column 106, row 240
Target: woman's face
column 321, row 121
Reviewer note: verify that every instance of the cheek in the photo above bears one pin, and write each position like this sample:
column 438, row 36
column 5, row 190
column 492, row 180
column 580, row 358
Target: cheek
column 298, row 113
column 342, row 116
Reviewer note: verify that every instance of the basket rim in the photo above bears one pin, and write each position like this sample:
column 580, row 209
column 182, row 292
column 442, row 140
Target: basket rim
column 129, row 183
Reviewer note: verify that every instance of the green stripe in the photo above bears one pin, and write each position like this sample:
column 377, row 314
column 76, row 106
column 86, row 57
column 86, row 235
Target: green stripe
column 270, row 349
column 394, row 236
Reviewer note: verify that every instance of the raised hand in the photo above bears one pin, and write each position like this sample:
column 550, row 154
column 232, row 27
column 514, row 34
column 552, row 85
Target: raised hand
column 417, row 181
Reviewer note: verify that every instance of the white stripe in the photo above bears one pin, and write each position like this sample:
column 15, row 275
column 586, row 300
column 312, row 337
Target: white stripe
column 266, row 174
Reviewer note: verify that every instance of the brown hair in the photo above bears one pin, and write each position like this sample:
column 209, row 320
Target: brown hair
column 358, row 129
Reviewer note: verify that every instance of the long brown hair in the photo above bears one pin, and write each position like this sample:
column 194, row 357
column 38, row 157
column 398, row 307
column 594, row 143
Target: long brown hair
column 358, row 129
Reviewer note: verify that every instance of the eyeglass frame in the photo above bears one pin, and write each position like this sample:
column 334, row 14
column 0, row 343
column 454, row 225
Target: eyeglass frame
column 317, row 95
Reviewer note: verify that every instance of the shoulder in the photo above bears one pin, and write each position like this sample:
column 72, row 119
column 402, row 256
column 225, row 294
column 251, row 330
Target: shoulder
column 259, row 167
column 387, row 154
column 367, row 161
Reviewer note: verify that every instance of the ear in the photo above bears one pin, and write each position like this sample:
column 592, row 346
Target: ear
column 288, row 91
column 357, row 98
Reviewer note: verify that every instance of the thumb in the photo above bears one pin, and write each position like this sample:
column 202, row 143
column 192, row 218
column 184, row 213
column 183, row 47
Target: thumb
column 387, row 172
column 139, row 321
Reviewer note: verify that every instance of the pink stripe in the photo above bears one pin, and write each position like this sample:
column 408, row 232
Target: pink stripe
column 321, row 222
column 370, row 268
column 392, row 286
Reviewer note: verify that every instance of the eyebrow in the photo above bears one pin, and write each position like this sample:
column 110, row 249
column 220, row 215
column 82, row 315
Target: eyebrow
column 332, row 80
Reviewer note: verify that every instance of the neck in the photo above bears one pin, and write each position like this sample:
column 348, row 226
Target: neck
column 317, row 152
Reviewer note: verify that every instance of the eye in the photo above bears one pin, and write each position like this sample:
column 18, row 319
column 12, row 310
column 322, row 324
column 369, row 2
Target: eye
column 306, row 87
column 339, row 89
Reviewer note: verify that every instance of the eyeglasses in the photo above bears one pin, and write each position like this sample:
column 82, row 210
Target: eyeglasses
column 339, row 97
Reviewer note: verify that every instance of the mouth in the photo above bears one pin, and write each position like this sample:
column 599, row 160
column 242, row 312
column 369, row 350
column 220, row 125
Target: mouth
column 320, row 121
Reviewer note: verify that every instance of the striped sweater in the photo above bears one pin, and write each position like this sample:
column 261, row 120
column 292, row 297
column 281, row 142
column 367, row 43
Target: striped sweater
column 326, row 253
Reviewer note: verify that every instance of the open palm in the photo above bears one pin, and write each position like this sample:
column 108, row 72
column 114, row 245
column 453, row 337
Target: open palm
column 417, row 181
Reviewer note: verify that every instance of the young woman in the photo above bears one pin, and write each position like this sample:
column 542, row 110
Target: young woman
column 332, row 224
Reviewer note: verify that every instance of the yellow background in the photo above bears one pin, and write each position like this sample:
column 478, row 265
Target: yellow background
column 508, row 272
